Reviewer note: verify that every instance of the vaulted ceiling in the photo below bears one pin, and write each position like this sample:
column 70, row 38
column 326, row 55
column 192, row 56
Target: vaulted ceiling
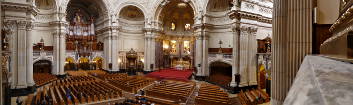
column 88, row 8
column 177, row 10
column 131, row 13
column 45, row 4
column 218, row 5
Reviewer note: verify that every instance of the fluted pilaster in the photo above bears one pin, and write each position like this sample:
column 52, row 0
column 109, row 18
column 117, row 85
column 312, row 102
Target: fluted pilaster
column 292, row 36
column 30, row 81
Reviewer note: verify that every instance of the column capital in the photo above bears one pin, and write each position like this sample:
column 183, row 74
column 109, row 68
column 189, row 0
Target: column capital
column 234, row 14
column 108, row 28
column 9, row 26
column 22, row 25
column 30, row 26
column 198, row 26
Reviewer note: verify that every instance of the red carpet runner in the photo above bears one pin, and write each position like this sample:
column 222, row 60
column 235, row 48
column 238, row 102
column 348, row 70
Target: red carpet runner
column 173, row 74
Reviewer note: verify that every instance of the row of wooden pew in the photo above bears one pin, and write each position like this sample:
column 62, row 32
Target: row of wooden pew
column 211, row 95
column 77, row 73
column 116, row 76
column 253, row 97
column 220, row 79
column 43, row 78
column 96, row 72
column 132, row 83
column 76, row 90
column 170, row 92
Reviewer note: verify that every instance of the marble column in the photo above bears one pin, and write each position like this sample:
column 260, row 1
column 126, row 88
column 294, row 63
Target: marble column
column 201, row 56
column 59, row 50
column 292, row 40
column 235, row 53
column 149, row 49
column 234, row 15
column 153, row 52
column 205, row 65
column 30, row 81
column 62, row 38
column 198, row 54
column 21, row 55
column 107, row 47
column 115, row 49
column 146, row 53
column 244, row 60
column 56, row 56
column 252, row 51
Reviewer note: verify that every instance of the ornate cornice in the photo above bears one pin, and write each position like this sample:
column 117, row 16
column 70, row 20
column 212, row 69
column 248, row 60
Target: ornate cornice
column 108, row 28
column 10, row 6
column 152, row 30
column 20, row 24
column 237, row 14
column 257, row 3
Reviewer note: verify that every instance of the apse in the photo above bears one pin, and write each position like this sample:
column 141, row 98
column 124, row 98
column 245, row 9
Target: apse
column 88, row 8
column 177, row 18
column 177, row 36
column 131, row 19
column 131, row 37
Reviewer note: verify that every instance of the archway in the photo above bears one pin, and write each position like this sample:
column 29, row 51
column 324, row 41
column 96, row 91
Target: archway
column 220, row 73
column 42, row 66
column 98, row 63
column 176, row 44
column 132, row 35
column 82, row 38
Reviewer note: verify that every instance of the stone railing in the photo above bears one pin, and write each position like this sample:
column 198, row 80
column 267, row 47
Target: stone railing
column 220, row 57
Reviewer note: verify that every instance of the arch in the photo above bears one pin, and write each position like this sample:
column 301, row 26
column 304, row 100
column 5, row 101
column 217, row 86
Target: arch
column 102, row 4
column 131, row 13
column 220, row 73
column 129, row 3
column 221, row 5
column 42, row 58
column 42, row 66
column 157, row 10
column 221, row 60
column 45, row 4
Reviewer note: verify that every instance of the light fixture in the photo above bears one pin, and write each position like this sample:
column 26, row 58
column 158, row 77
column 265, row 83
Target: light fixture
column 142, row 60
column 182, row 5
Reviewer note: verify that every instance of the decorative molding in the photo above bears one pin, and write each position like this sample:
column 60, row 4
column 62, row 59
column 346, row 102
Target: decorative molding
column 256, row 3
column 11, row 6
column 247, row 15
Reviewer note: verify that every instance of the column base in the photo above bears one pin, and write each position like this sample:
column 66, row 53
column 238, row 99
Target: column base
column 22, row 91
column 233, row 84
column 276, row 102
column 200, row 78
column 61, row 76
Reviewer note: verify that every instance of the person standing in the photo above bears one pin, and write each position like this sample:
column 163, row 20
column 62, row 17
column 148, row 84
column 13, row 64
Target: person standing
column 19, row 100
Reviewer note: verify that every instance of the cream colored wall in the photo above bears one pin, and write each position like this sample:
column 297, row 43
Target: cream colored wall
column 327, row 11
column 226, row 37
column 263, row 32
column 45, row 34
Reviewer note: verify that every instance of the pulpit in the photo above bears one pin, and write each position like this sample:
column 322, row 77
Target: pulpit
column 131, row 57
